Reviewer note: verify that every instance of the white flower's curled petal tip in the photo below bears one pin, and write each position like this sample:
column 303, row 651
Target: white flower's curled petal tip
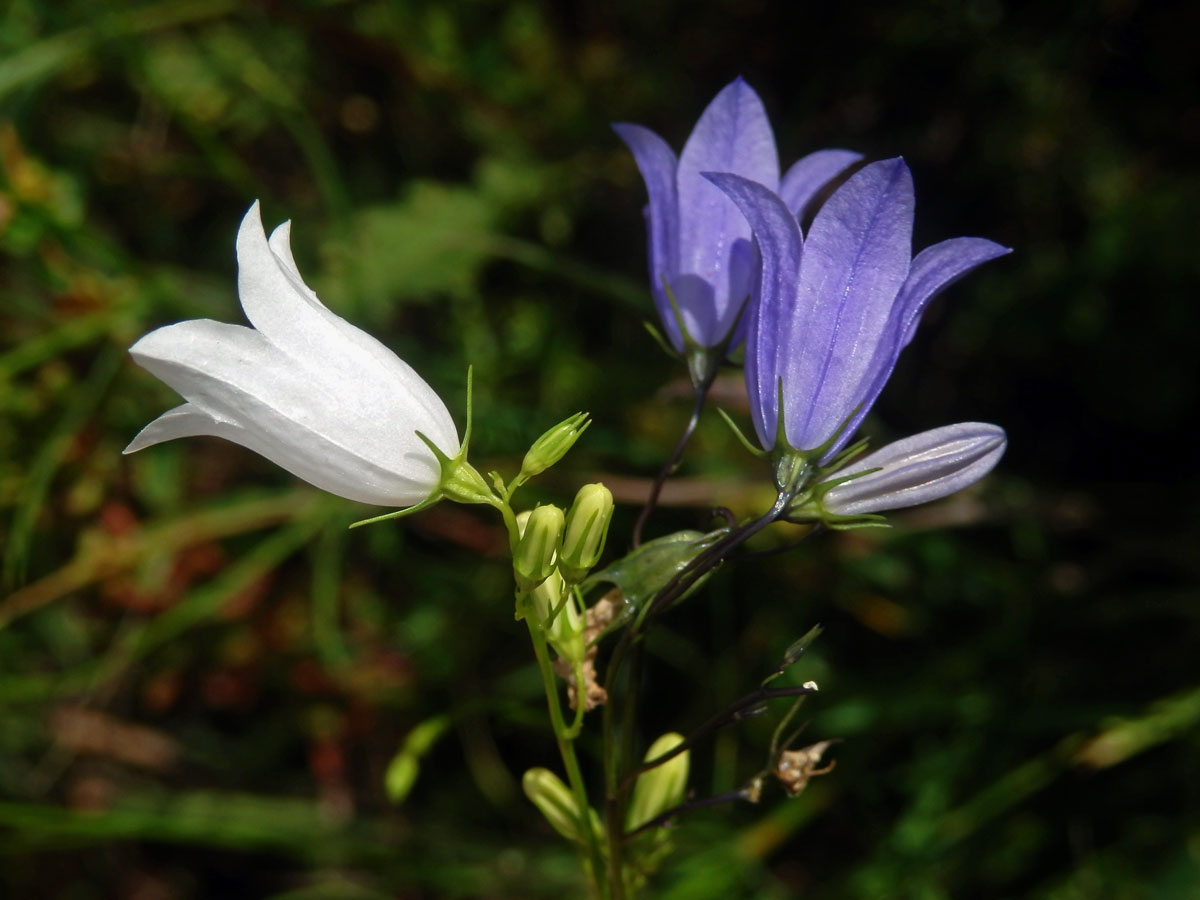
column 280, row 243
column 250, row 230
column 182, row 421
column 918, row 469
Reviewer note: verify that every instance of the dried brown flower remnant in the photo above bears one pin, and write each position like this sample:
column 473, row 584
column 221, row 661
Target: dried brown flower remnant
column 599, row 617
column 795, row 767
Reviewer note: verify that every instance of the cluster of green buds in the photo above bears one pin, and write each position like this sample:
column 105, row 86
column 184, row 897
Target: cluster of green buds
column 556, row 550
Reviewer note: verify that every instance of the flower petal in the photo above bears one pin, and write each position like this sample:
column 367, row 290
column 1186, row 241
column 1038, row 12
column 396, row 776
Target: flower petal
column 354, row 437
column 288, row 314
column 182, row 421
column 773, row 304
column 933, row 270
column 732, row 135
column 280, row 243
column 856, row 258
column 936, row 268
column 917, row 469
column 657, row 163
column 805, row 179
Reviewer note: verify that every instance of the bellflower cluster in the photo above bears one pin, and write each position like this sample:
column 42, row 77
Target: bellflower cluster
column 831, row 312
column 701, row 257
column 303, row 387
column 824, row 315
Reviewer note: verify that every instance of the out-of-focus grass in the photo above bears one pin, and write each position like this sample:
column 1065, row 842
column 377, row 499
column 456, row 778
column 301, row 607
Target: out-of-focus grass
column 204, row 676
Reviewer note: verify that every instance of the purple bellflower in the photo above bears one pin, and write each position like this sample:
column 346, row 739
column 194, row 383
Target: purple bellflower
column 830, row 313
column 833, row 309
column 701, row 257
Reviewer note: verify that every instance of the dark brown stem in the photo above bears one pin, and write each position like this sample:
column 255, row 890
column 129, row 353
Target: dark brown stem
column 688, row 806
column 732, row 713
column 698, row 567
column 671, row 465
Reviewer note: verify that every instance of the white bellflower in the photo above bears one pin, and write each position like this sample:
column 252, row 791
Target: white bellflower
column 303, row 387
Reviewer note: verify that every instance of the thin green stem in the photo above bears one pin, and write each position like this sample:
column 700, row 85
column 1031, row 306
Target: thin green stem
column 614, row 811
column 510, row 522
column 580, row 702
column 566, row 749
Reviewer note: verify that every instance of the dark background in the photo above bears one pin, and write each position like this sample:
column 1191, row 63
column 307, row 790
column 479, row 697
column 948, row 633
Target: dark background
column 203, row 675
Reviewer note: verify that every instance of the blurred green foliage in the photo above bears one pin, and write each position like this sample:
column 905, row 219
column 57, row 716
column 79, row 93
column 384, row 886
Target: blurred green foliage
column 204, row 678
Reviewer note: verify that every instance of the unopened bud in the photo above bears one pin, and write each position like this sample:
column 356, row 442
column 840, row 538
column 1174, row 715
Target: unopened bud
column 537, row 551
column 558, row 612
column 587, row 529
column 661, row 788
column 916, row 469
column 553, row 445
column 556, row 802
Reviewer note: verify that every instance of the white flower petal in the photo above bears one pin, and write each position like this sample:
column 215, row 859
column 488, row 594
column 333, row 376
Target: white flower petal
column 182, row 421
column 289, row 315
column 357, row 435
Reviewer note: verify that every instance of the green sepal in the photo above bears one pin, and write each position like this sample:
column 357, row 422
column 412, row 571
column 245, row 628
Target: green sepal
column 810, row 507
column 400, row 513
column 849, row 523
column 459, row 480
column 740, row 435
column 660, row 339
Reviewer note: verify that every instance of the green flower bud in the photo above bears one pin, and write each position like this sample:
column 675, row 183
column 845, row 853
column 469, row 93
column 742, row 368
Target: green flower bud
column 587, row 529
column 553, row 445
column 661, row 788
column 546, row 597
column 537, row 551
column 557, row 803
column 565, row 632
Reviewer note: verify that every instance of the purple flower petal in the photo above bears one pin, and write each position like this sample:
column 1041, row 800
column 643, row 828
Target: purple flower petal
column 933, row 270
column 657, row 163
column 936, row 268
column 733, row 135
column 773, row 305
column 856, row 258
column 805, row 179
column 917, row 469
